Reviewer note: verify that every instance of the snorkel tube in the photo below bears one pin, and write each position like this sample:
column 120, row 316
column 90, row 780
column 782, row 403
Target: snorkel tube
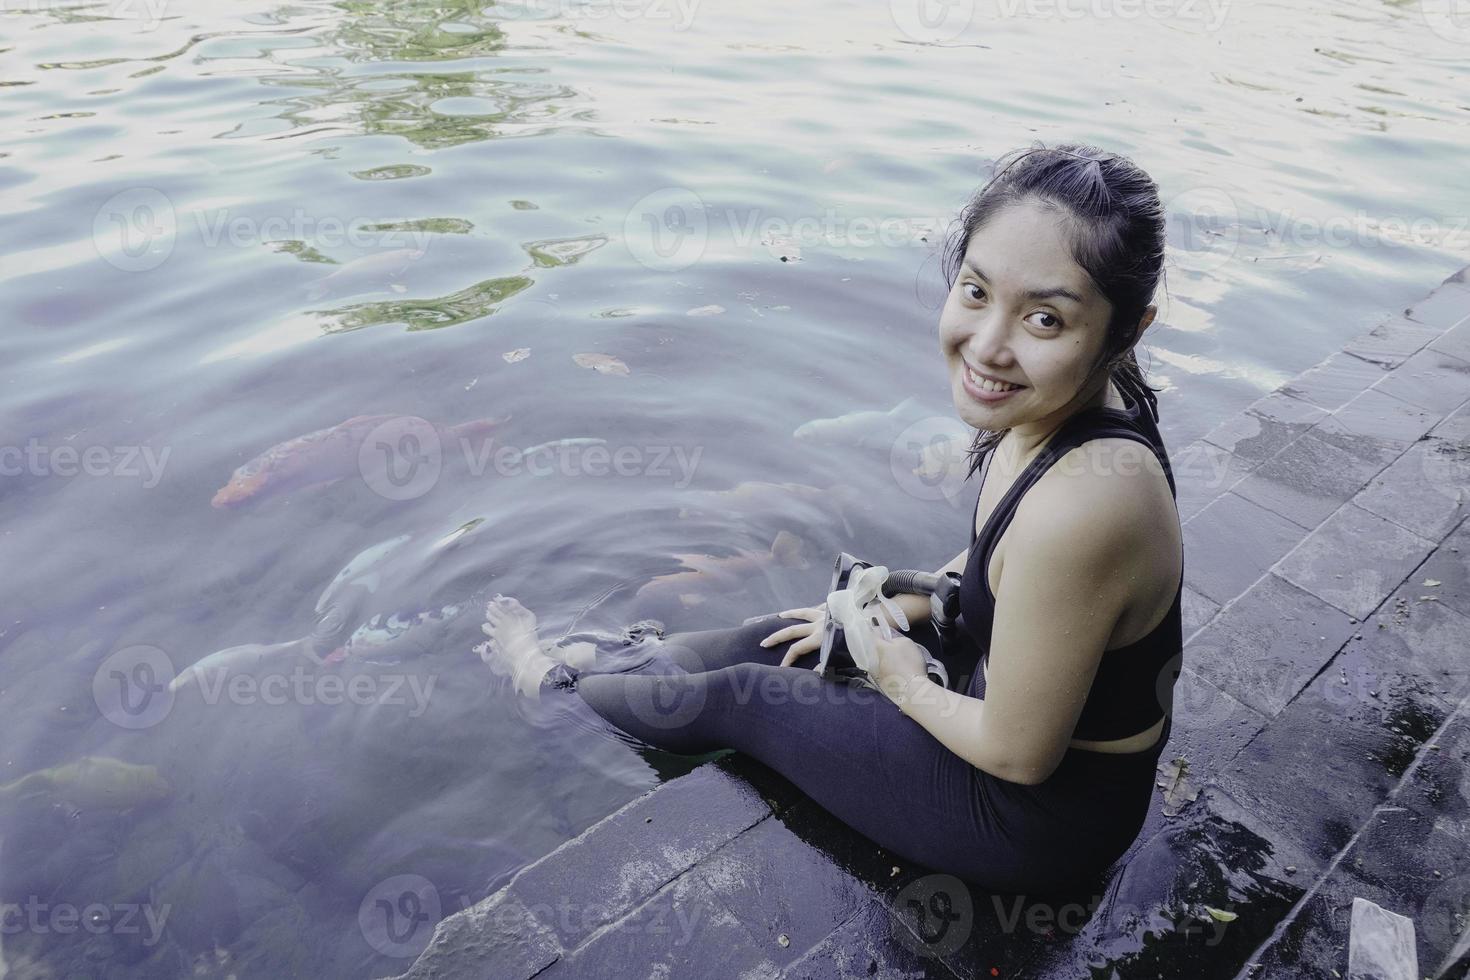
column 859, row 594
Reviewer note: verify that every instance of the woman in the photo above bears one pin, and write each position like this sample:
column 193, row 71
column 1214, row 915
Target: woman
column 1036, row 770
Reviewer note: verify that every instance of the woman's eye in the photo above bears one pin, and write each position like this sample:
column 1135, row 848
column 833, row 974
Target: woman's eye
column 971, row 285
column 1050, row 316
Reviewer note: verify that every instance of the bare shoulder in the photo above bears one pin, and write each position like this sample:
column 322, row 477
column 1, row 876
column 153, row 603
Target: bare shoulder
column 1110, row 493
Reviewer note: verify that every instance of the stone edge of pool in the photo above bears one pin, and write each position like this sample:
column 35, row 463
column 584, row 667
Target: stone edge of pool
column 1322, row 730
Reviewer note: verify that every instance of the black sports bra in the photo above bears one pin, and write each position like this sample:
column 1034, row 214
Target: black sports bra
column 1134, row 684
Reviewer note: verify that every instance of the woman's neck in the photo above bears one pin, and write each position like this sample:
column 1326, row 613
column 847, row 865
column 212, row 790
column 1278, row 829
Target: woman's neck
column 1025, row 442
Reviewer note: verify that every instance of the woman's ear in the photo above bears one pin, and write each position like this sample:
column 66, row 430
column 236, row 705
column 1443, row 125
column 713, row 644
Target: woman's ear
column 1144, row 321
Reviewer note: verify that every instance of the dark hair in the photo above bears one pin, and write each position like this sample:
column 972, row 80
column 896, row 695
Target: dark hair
column 1117, row 226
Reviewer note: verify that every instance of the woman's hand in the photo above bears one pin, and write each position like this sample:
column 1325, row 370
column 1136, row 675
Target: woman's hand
column 808, row 635
column 899, row 659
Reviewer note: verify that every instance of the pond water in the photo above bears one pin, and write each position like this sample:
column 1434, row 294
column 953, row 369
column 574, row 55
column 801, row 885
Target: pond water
column 671, row 231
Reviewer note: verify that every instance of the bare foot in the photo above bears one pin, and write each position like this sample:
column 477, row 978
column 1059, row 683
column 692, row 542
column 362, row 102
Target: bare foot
column 514, row 650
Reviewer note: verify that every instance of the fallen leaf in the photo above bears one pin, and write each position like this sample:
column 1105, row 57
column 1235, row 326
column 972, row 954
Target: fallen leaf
column 1220, row 915
column 1432, row 582
column 519, row 354
column 601, row 363
column 712, row 310
column 1178, row 789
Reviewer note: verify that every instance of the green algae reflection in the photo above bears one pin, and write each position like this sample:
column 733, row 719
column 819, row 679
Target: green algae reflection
column 481, row 299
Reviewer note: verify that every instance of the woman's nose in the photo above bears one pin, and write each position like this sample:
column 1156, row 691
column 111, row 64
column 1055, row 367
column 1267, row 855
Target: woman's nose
column 989, row 339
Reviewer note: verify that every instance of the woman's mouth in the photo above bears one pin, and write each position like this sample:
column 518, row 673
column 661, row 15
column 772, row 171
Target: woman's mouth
column 985, row 390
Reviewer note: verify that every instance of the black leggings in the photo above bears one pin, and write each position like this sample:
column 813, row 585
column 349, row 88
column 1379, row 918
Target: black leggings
column 852, row 751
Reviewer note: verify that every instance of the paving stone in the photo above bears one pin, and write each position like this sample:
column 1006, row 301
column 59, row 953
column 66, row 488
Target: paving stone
column 1195, row 610
column 1454, row 427
column 1210, row 727
column 1335, row 381
column 976, row 933
column 870, row 944
column 1266, row 427
column 1431, row 380
column 1233, row 542
column 498, row 937
column 1374, row 713
column 1264, row 647
column 617, row 863
column 1425, row 490
column 1450, row 567
column 680, row 931
column 1307, row 481
column 777, row 885
column 1354, row 560
column 1153, row 920
column 1392, row 342
column 1391, row 864
column 1376, row 426
column 1454, row 341
column 1446, row 306
column 1202, row 472
column 1438, row 787
column 1313, row 944
column 1426, row 632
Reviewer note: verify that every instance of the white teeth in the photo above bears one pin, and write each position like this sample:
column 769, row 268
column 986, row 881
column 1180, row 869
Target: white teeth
column 985, row 384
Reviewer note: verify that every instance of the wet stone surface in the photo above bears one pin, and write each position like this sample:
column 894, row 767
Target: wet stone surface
column 1430, row 379
column 1376, row 427
column 1374, row 712
column 1335, row 381
column 1356, row 584
column 1232, row 543
column 1392, row 342
column 1445, row 307
column 1266, row 427
column 1202, row 472
column 1307, row 481
column 1268, row 644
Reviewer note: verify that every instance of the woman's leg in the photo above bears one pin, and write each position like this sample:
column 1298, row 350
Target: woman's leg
column 849, row 748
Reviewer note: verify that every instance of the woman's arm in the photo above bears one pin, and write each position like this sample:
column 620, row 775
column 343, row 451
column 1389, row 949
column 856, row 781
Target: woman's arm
column 1063, row 588
column 916, row 607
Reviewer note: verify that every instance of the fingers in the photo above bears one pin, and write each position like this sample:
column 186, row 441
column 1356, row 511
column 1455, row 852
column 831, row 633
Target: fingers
column 805, row 612
column 799, row 650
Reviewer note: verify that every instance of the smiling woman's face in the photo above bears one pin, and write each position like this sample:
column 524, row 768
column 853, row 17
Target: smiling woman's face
column 1022, row 311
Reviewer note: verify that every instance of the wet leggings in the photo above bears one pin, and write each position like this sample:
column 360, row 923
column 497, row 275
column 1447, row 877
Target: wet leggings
column 882, row 773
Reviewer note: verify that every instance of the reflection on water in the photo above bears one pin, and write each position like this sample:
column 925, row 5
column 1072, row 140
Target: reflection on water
column 669, row 240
